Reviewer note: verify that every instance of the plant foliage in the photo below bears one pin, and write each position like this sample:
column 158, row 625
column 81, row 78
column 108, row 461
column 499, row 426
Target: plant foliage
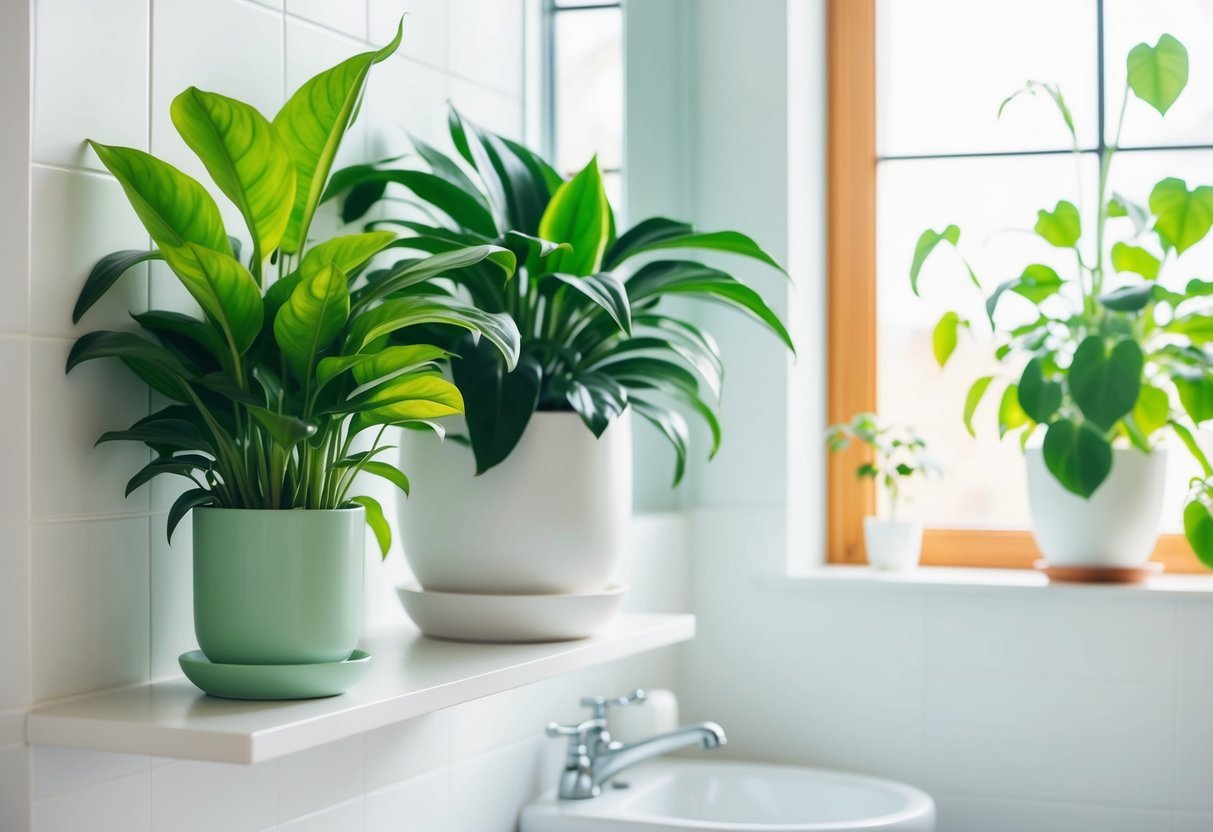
column 898, row 453
column 597, row 333
column 268, row 389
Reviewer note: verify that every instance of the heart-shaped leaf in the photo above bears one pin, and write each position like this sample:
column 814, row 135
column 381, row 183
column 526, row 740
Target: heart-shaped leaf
column 1183, row 217
column 1103, row 382
column 1038, row 396
column 1158, row 74
column 1061, row 227
column 1079, row 456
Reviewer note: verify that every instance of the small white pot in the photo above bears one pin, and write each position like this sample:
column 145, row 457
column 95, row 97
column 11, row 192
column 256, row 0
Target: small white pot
column 1117, row 526
column 550, row 519
column 892, row 544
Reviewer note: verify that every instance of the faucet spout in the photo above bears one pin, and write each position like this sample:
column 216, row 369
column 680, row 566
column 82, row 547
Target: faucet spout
column 620, row 757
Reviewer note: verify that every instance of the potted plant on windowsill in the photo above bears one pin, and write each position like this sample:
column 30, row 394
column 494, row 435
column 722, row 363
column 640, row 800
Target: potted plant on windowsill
column 271, row 386
column 1111, row 357
column 551, row 442
column 898, row 453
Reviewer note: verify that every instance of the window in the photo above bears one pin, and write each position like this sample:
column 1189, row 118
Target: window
column 584, row 78
column 916, row 143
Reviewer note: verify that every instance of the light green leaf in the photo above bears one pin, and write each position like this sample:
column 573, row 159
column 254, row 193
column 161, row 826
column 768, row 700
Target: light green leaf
column 1152, row 410
column 1061, row 227
column 311, row 125
column 244, row 157
column 369, row 366
column 927, row 242
column 1184, row 217
column 972, row 399
column 578, row 214
column 1010, row 414
column 172, row 206
column 223, row 288
column 403, row 399
column 312, row 317
column 1195, row 390
column 346, row 253
column 378, row 523
column 1135, row 259
column 388, row 472
column 1158, row 74
column 944, row 337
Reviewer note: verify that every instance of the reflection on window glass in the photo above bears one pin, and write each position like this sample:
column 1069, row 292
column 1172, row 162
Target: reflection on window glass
column 926, row 107
column 588, row 86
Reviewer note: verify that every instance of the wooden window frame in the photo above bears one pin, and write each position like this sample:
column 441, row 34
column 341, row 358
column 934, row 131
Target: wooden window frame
column 851, row 310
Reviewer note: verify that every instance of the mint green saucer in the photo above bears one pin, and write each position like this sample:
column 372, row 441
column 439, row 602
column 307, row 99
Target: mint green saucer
column 274, row 681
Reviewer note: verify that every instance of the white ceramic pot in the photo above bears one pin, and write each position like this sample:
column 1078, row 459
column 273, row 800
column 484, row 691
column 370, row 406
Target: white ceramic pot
column 551, row 519
column 892, row 544
column 1117, row 526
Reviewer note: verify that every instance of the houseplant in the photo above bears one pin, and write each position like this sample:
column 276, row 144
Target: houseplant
column 270, row 387
column 898, row 453
column 1112, row 357
column 599, row 341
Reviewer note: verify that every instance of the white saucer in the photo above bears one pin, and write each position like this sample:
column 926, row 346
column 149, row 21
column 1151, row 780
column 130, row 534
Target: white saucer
column 511, row 618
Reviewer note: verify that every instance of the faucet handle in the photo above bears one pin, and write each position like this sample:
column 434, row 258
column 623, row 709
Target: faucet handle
column 599, row 704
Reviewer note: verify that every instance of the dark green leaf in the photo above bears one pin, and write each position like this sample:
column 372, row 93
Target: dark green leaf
column 1039, row 397
column 1198, row 529
column 1129, row 298
column 191, row 499
column 286, row 430
column 659, row 233
column 1104, row 383
column 604, row 290
column 672, row 426
column 597, row 398
column 498, row 403
column 103, row 275
column 1079, row 456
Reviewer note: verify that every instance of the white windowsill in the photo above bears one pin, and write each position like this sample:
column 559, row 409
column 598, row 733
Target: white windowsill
column 949, row 579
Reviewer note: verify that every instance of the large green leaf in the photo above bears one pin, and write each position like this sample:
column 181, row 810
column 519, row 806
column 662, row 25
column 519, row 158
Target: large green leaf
column 183, row 465
column 1078, row 455
column 150, row 361
column 1135, row 259
column 1195, row 389
column 346, row 253
column 605, row 291
column 1132, row 298
column 312, row 317
column 660, row 233
column 1038, row 396
column 190, row 336
column 498, row 403
column 243, row 155
column 311, row 125
column 671, row 425
column 105, row 273
column 927, row 241
column 173, row 207
column 1198, row 529
column 1104, row 383
column 1061, row 227
column 683, row 277
column 467, row 209
column 1158, row 74
column 1183, row 217
column 223, row 288
column 393, row 315
column 597, row 398
column 370, row 366
column 411, row 273
column 578, row 214
column 405, row 398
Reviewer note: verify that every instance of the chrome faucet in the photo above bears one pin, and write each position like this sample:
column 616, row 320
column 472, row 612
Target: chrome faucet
column 593, row 757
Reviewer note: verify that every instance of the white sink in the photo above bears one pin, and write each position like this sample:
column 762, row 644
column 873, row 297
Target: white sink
column 676, row 795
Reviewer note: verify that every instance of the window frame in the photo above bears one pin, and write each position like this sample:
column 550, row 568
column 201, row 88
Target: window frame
column 851, row 362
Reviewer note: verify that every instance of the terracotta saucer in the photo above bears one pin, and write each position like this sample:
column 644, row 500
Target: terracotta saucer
column 1099, row 574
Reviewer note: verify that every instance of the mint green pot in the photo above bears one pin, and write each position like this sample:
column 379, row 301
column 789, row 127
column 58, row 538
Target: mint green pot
column 278, row 587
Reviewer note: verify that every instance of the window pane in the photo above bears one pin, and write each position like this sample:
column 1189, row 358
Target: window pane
column 994, row 201
column 945, row 65
column 1130, row 22
column 589, row 88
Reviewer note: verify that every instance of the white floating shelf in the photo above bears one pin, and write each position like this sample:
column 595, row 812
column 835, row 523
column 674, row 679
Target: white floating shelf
column 411, row 675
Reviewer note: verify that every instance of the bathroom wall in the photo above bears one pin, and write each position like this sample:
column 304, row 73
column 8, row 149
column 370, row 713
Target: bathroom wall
column 91, row 595
column 1049, row 710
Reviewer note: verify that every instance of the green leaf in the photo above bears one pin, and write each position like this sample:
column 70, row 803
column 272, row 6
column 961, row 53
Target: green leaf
column 312, row 318
column 605, row 291
column 1190, row 443
column 467, row 209
column 371, row 366
column 1135, row 259
column 393, row 315
column 597, row 398
column 1119, row 206
column 223, row 288
column 682, row 277
column 944, row 337
column 173, row 207
column 927, row 242
column 162, row 370
column 410, row 273
column 1129, row 298
column 578, row 214
column 377, row 522
column 286, row 430
column 347, row 253
column 163, row 435
column 1010, row 414
column 1079, row 456
column 388, row 472
column 535, row 246
column 498, row 403
column 658, row 233
column 105, row 273
column 1152, row 410
column 672, row 426
column 1039, row 397
column 1037, row 283
column 972, row 399
column 1198, row 529
column 182, row 505
column 1183, row 217
column 183, row 465
column 311, row 125
column 242, row 154
column 1158, row 74
column 1060, row 227
column 405, row 398
column 1104, row 383
column 1053, row 91
column 1197, row 327
column 1195, row 390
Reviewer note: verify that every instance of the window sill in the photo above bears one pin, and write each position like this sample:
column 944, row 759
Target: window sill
column 949, row 579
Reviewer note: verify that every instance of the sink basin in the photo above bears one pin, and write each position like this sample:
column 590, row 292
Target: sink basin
column 676, row 795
